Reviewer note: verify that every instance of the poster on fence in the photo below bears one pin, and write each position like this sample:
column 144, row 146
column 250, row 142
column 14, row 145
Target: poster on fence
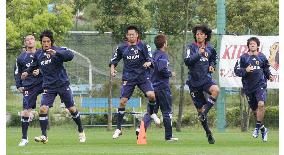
column 232, row 47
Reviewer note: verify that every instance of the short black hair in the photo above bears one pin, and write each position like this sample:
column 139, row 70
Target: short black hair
column 160, row 40
column 253, row 39
column 132, row 27
column 48, row 34
column 205, row 29
column 30, row 34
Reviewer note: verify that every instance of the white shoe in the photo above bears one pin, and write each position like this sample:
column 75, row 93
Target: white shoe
column 42, row 139
column 82, row 137
column 156, row 119
column 23, row 142
column 255, row 133
column 173, row 139
column 116, row 134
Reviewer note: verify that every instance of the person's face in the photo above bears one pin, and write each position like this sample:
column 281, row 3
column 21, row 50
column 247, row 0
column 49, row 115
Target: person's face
column 132, row 36
column 45, row 43
column 253, row 46
column 200, row 36
column 30, row 41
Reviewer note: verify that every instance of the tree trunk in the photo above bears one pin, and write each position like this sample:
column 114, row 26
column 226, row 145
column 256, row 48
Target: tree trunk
column 109, row 118
column 181, row 99
column 244, row 112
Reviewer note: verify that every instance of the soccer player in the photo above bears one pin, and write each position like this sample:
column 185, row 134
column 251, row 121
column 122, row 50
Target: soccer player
column 160, row 80
column 253, row 67
column 31, row 87
column 137, row 60
column 201, row 61
column 50, row 60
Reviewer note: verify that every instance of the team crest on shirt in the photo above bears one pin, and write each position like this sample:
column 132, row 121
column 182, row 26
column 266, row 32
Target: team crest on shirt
column 136, row 51
column 206, row 54
column 257, row 62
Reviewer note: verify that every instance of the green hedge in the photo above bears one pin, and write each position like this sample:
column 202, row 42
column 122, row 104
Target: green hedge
column 190, row 118
column 233, row 118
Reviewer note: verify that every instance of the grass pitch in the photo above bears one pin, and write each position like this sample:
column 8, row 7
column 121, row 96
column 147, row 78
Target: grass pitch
column 63, row 140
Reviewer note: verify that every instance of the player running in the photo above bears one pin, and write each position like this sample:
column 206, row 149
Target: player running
column 253, row 67
column 201, row 62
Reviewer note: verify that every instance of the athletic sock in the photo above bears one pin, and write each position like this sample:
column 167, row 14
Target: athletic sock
column 77, row 120
column 120, row 116
column 43, row 121
column 25, row 126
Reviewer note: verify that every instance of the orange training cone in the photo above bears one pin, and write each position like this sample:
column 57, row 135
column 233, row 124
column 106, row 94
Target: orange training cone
column 142, row 135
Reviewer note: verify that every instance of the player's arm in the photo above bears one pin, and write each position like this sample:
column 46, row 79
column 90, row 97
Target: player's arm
column 266, row 70
column 148, row 55
column 17, row 75
column 162, row 66
column 240, row 69
column 62, row 53
column 116, row 57
column 34, row 65
column 191, row 57
column 213, row 60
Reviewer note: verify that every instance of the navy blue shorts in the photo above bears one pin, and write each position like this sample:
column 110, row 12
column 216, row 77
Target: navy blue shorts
column 164, row 101
column 30, row 96
column 197, row 95
column 253, row 98
column 65, row 93
column 127, row 88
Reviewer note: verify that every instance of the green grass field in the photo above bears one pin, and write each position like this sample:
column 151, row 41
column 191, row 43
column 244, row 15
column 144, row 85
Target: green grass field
column 64, row 141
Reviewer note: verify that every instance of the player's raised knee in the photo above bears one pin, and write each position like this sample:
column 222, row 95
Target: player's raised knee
column 72, row 109
column 25, row 113
column 43, row 109
column 261, row 104
column 215, row 90
column 151, row 95
column 123, row 102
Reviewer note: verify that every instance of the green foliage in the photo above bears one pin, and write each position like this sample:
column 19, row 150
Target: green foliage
column 31, row 16
column 170, row 16
column 255, row 17
column 116, row 15
column 233, row 118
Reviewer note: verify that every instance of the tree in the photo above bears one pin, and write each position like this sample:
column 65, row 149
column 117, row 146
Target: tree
column 253, row 17
column 31, row 16
column 176, row 18
column 116, row 15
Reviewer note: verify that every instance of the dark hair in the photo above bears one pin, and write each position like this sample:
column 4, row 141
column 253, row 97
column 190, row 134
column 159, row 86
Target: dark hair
column 30, row 34
column 132, row 27
column 204, row 29
column 253, row 39
column 48, row 34
column 160, row 40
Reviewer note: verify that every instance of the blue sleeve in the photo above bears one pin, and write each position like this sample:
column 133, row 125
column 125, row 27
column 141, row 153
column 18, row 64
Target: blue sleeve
column 17, row 73
column 191, row 57
column 148, row 53
column 116, row 57
column 240, row 69
column 34, row 65
column 64, row 54
column 213, row 58
column 162, row 66
column 266, row 69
